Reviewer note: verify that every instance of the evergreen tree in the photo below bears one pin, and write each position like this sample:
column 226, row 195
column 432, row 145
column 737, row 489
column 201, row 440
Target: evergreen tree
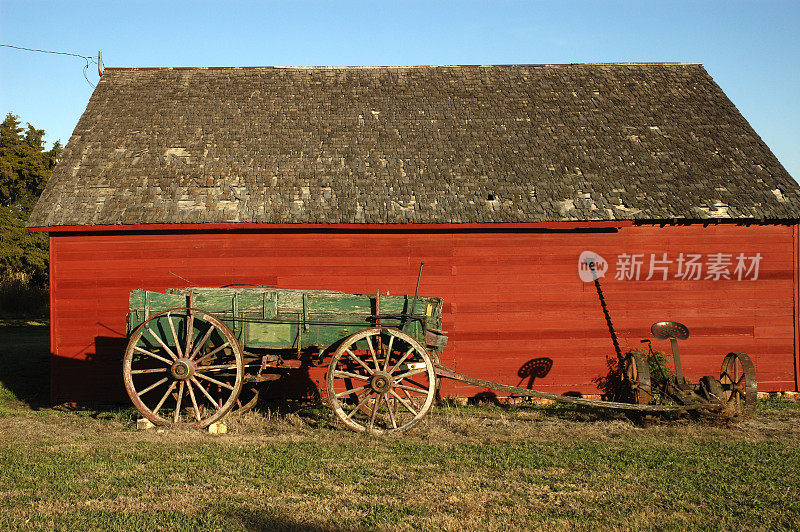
column 25, row 167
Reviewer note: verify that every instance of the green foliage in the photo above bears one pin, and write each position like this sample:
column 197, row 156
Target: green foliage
column 25, row 167
column 613, row 385
column 660, row 369
column 660, row 372
column 23, row 299
column 21, row 251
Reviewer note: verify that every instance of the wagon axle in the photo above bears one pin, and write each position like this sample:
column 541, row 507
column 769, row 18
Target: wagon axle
column 381, row 382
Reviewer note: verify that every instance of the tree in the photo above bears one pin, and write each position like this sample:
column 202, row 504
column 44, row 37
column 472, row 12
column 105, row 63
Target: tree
column 25, row 167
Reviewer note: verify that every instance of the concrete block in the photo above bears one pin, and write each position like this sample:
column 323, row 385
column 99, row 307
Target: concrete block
column 218, row 428
column 144, row 424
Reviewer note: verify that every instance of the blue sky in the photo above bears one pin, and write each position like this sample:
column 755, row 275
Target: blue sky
column 751, row 48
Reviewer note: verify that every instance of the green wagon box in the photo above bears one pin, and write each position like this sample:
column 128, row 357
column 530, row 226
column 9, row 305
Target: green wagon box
column 192, row 351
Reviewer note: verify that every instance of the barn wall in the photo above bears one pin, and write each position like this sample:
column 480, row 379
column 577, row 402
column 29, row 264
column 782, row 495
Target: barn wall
column 511, row 297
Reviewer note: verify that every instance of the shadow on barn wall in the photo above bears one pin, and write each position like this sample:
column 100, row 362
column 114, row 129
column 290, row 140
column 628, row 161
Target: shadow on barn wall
column 96, row 374
column 96, row 378
column 535, row 368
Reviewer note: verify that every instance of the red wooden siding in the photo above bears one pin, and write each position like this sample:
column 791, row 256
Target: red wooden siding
column 510, row 296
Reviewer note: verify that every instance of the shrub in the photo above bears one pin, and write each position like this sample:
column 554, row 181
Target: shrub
column 20, row 298
column 613, row 385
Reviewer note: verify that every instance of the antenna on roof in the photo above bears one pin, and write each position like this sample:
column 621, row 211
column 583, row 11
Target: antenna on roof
column 100, row 63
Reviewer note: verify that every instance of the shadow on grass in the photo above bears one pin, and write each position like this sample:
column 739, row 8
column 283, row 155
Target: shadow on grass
column 25, row 363
column 256, row 521
column 489, row 401
column 313, row 413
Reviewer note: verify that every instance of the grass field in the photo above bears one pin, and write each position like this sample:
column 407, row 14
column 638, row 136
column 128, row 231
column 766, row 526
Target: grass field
column 465, row 468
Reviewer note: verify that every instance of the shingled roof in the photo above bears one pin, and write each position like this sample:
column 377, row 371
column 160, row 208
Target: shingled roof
column 429, row 144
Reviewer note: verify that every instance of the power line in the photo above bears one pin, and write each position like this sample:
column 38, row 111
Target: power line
column 86, row 58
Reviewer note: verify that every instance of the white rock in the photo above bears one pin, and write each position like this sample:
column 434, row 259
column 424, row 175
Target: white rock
column 144, row 424
column 217, row 428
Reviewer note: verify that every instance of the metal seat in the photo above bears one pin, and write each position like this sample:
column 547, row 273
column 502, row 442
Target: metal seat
column 667, row 330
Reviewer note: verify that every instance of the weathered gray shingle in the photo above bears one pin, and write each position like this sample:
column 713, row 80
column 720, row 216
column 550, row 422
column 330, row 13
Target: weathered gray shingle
column 450, row 144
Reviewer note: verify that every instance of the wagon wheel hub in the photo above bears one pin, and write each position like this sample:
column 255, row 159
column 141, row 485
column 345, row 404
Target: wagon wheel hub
column 182, row 369
column 381, row 382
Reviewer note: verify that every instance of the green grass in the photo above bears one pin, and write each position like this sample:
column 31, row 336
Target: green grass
column 466, row 468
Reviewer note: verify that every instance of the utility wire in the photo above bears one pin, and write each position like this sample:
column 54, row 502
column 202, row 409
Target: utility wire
column 85, row 68
column 86, row 58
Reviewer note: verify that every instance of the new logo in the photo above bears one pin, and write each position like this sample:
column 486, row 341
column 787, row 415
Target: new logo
column 585, row 272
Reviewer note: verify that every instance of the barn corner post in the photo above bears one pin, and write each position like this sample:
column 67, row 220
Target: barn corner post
column 796, row 268
column 51, row 298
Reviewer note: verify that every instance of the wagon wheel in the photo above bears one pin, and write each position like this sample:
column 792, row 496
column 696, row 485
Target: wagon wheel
column 175, row 378
column 381, row 381
column 248, row 398
column 436, row 360
column 738, row 380
column 637, row 378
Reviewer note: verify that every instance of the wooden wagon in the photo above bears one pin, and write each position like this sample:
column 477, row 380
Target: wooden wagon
column 192, row 351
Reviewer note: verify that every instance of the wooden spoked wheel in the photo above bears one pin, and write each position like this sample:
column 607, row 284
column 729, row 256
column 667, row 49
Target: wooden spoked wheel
column 738, row 380
column 183, row 367
column 248, row 398
column 381, row 381
column 636, row 374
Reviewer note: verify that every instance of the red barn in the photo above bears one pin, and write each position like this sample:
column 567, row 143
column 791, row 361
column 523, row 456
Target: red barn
column 498, row 177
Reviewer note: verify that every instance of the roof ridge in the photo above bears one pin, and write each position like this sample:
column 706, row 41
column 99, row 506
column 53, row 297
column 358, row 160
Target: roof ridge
column 366, row 67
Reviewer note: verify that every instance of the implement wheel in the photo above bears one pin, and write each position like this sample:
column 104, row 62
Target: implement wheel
column 738, row 380
column 183, row 367
column 636, row 375
column 711, row 389
column 381, row 381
